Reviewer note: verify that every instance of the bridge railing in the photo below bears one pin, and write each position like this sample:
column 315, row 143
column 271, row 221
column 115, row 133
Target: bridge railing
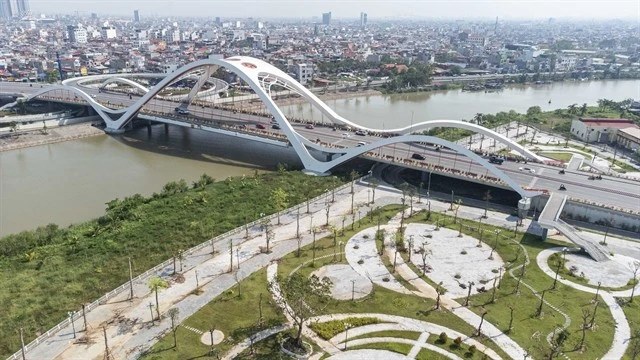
column 166, row 264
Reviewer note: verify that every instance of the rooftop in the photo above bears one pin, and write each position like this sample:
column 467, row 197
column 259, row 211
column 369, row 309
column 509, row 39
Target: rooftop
column 632, row 131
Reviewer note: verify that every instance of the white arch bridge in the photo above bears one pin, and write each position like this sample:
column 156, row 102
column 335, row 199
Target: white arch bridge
column 264, row 78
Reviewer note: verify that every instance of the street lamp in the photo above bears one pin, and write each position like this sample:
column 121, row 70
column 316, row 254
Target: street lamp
column 73, row 326
column 494, row 245
column 346, row 334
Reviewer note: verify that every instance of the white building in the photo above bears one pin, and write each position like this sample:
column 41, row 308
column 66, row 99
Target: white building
column 565, row 63
column 77, row 34
column 108, row 33
column 304, row 72
column 601, row 130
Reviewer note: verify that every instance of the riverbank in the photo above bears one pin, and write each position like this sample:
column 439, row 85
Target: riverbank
column 55, row 135
column 149, row 230
column 325, row 97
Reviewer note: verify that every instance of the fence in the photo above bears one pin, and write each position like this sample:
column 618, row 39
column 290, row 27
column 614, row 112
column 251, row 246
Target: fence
column 115, row 292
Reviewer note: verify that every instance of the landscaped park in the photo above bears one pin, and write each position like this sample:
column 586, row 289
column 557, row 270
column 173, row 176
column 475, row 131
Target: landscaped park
column 360, row 271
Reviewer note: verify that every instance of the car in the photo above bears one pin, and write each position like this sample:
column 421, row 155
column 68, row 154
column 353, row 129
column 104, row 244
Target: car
column 308, row 126
column 346, row 135
column 496, row 160
column 260, row 126
column 361, row 143
column 183, row 112
column 361, row 133
column 527, row 169
column 417, row 156
column 93, row 96
column 275, row 126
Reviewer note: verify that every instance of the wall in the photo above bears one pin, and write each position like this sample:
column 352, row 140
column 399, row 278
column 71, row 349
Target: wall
column 587, row 213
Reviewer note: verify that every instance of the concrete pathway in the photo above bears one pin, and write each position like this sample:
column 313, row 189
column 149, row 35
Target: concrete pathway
column 418, row 345
column 622, row 332
column 407, row 324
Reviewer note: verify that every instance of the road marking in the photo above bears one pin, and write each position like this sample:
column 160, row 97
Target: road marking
column 535, row 179
column 192, row 329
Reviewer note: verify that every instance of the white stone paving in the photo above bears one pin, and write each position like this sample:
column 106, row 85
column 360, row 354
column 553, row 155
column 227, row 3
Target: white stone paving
column 345, row 281
column 446, row 259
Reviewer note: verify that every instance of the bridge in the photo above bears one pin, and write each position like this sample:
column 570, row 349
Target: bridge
column 320, row 146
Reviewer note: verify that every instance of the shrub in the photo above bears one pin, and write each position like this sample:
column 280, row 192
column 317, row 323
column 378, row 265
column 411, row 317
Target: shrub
column 457, row 276
column 329, row 329
column 442, row 338
column 457, row 342
column 463, row 252
column 360, row 262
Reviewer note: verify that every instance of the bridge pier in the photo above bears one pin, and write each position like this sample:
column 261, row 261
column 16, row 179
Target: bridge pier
column 166, row 128
column 112, row 131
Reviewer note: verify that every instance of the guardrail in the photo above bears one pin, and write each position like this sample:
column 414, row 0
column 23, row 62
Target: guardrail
column 217, row 239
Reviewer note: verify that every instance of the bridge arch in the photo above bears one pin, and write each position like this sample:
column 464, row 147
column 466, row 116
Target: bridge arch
column 121, row 80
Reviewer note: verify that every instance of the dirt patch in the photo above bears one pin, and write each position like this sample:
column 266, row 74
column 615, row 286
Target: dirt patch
column 39, row 137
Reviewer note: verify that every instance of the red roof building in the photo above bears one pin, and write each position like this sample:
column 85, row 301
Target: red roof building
column 601, row 130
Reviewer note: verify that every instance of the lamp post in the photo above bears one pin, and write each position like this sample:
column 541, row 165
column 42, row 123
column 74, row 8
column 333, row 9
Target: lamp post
column 346, row 334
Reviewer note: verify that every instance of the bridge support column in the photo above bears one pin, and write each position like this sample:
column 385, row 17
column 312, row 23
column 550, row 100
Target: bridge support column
column 524, row 205
column 166, row 128
column 201, row 81
column 545, row 233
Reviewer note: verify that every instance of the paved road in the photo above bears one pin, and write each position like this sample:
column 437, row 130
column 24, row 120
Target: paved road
column 610, row 191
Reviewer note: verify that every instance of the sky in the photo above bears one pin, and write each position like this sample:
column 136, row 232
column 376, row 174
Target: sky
column 306, row 9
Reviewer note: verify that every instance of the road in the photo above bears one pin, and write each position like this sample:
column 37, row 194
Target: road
column 610, row 191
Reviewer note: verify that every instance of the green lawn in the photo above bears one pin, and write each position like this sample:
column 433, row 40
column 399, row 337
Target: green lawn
column 632, row 310
column 426, row 354
column 560, row 156
column 402, row 334
column 46, row 272
column 527, row 326
column 236, row 316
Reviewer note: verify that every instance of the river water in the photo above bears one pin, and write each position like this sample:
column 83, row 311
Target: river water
column 69, row 182
column 393, row 111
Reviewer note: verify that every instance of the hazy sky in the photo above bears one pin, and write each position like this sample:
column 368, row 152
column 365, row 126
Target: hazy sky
column 455, row 9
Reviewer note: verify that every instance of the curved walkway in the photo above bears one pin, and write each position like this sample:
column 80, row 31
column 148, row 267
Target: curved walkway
column 622, row 332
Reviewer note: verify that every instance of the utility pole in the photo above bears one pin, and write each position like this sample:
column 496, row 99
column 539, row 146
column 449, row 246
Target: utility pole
column 130, row 283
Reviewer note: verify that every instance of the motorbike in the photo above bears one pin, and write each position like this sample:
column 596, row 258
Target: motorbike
column 561, row 172
column 591, row 177
column 562, row 187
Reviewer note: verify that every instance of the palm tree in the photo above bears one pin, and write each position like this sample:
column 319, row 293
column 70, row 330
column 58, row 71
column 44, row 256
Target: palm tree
column 155, row 284
column 572, row 108
column 583, row 109
column 477, row 118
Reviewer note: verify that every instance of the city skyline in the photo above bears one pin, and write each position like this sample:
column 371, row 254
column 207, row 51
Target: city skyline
column 407, row 9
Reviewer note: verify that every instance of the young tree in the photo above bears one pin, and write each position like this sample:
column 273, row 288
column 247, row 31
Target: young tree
column 374, row 185
column 314, row 230
column 424, row 253
column 458, row 204
column 156, row 284
column 306, row 296
column 173, row 315
column 279, row 201
column 636, row 269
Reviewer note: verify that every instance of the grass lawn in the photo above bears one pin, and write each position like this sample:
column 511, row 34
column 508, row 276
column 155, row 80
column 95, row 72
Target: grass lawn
column 426, row 354
column 526, row 326
column 236, row 316
column 560, row 156
column 555, row 262
column 462, row 350
column 381, row 300
column 48, row 271
column 402, row 334
column 632, row 310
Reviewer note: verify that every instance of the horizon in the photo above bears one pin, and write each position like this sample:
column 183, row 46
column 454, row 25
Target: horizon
column 347, row 10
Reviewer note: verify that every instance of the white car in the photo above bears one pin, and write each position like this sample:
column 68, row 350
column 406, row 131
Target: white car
column 361, row 143
column 527, row 169
column 346, row 135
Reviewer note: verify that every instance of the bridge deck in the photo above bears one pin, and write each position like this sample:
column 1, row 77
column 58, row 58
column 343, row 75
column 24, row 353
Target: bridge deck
column 549, row 219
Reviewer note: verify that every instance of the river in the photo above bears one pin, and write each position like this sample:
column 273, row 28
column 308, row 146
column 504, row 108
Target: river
column 71, row 181
column 397, row 110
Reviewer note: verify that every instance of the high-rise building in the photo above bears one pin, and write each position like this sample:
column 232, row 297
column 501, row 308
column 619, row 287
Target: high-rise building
column 77, row 34
column 13, row 8
column 326, row 18
column 23, row 7
column 5, row 9
column 363, row 19
column 136, row 16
